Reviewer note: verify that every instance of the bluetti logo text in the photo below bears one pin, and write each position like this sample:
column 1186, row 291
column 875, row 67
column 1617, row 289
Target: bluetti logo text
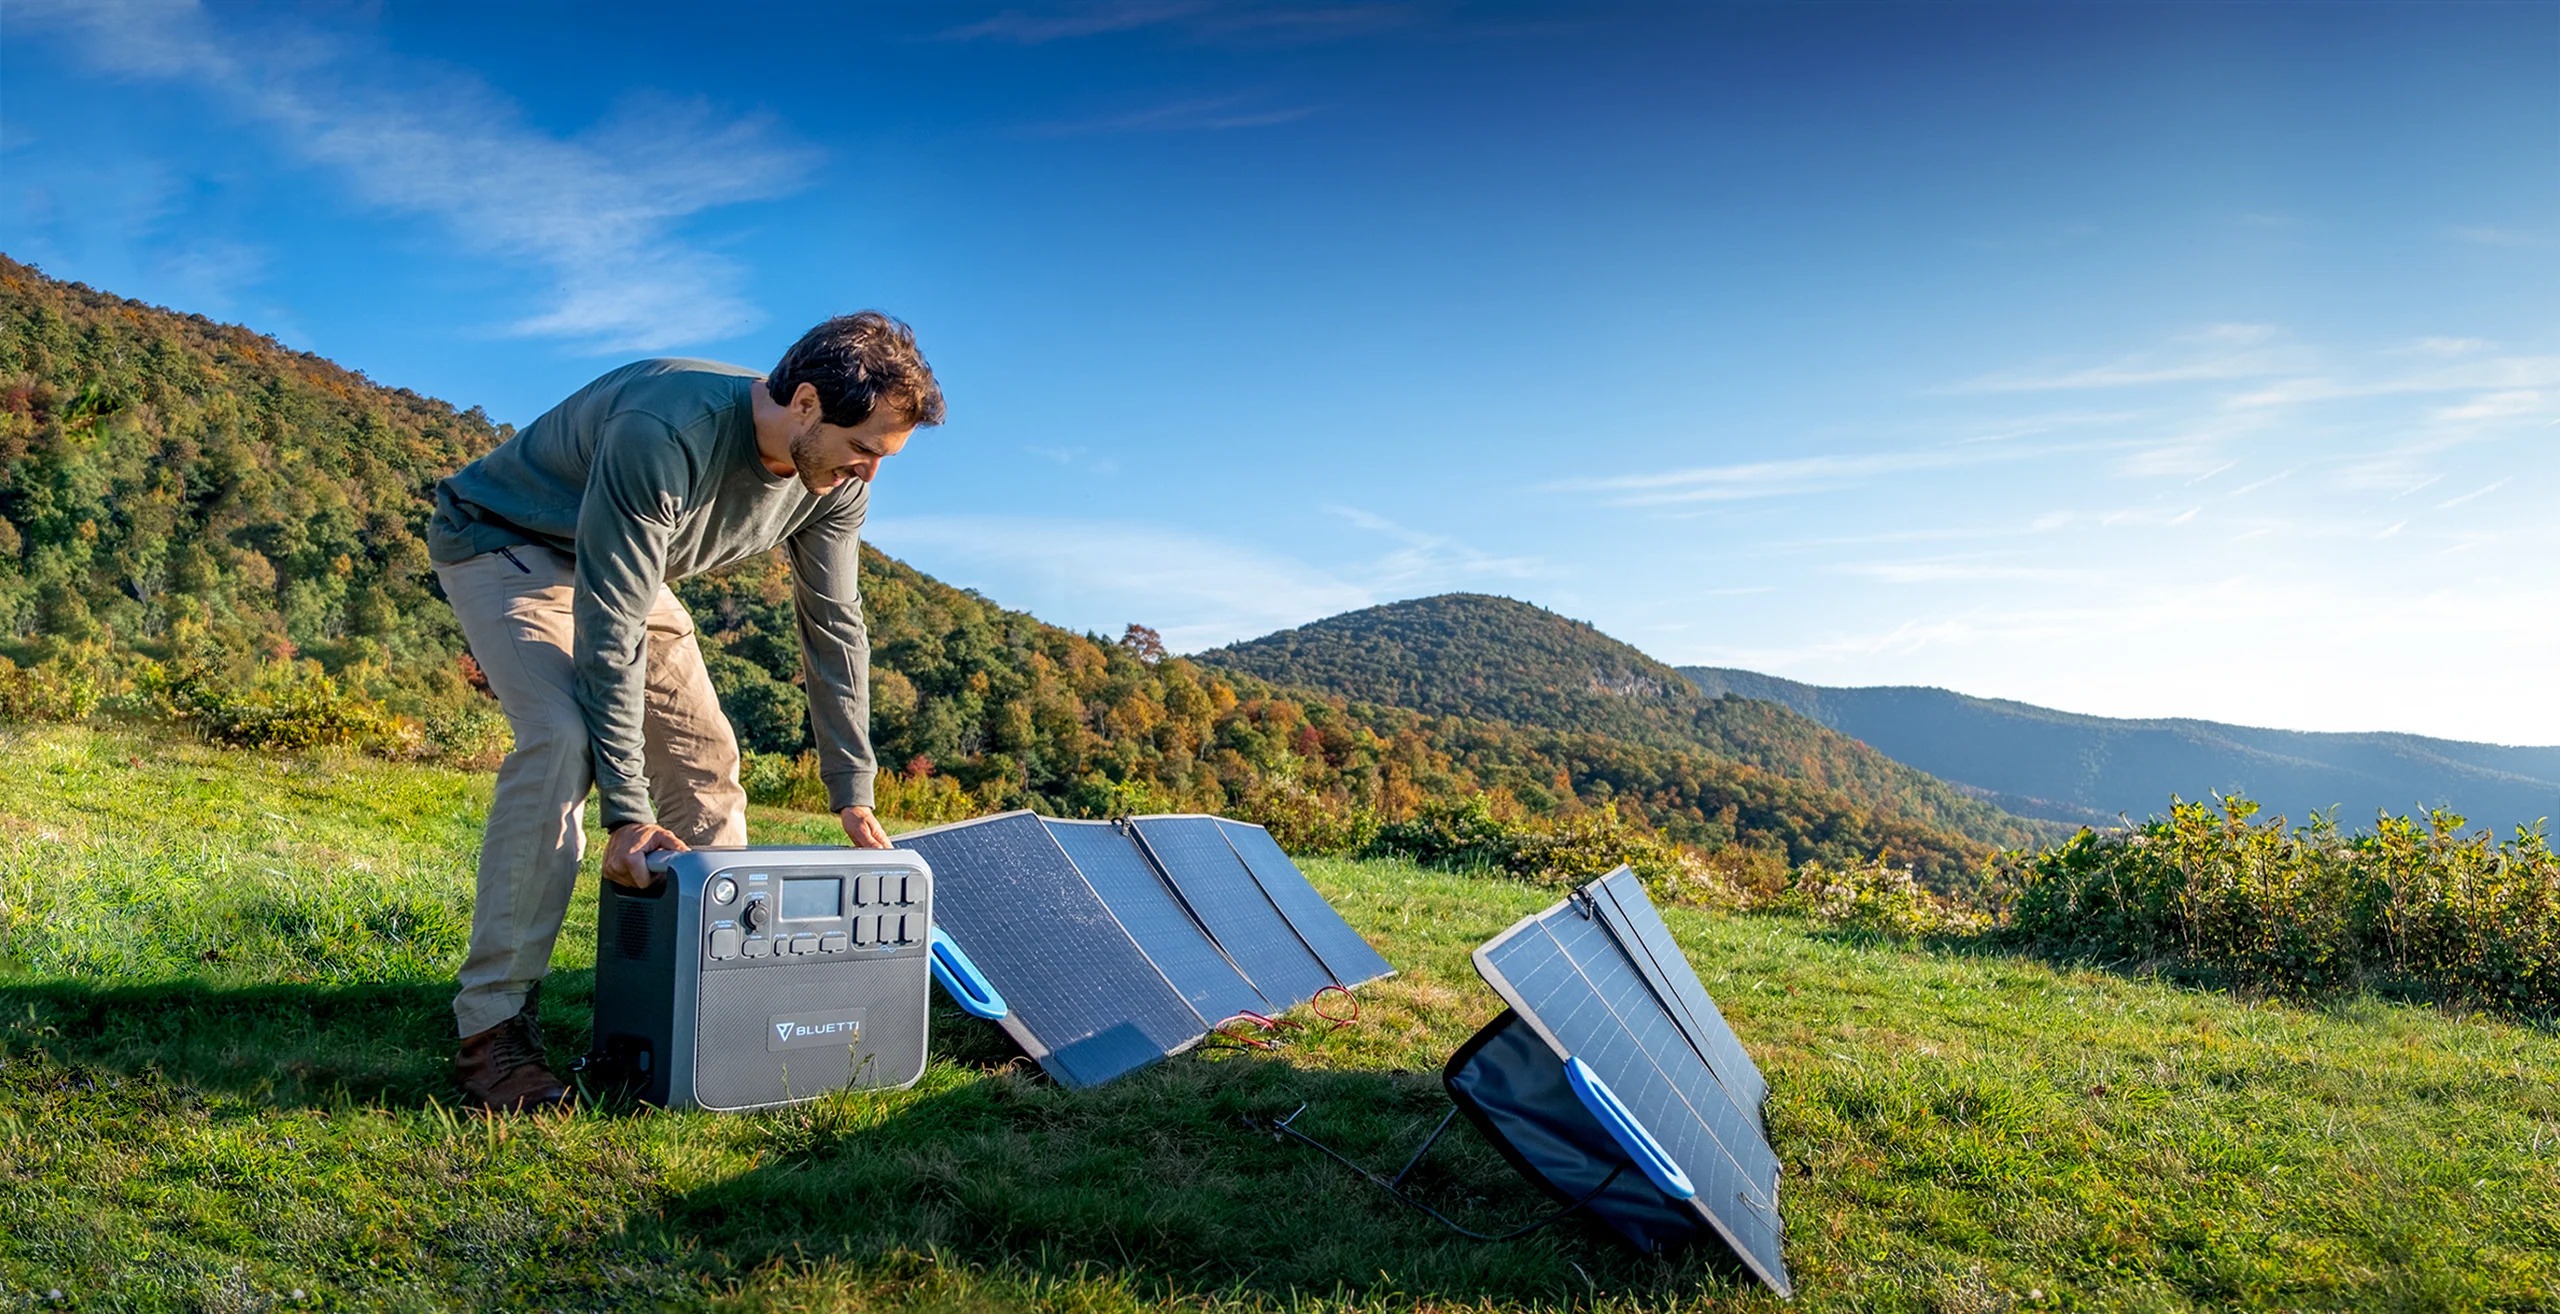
column 835, row 1029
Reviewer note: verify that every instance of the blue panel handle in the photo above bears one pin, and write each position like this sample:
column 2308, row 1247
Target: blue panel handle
column 1627, row 1132
column 961, row 979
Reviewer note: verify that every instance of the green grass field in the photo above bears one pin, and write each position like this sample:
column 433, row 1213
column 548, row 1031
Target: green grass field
column 224, row 1039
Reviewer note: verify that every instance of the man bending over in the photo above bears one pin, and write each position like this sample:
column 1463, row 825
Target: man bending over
column 556, row 549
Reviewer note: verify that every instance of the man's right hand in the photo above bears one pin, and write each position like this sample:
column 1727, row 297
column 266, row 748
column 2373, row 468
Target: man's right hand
column 627, row 850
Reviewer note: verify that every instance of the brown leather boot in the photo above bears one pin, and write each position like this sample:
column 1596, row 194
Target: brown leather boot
column 503, row 1069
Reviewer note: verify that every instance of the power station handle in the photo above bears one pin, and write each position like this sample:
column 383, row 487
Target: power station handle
column 962, row 980
column 1627, row 1132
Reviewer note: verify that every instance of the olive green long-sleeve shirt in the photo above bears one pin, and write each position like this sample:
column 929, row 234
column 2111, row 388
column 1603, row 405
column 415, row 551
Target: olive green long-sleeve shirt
column 648, row 475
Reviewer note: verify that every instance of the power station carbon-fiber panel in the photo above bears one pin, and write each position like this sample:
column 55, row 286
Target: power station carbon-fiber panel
column 1343, row 953
column 1119, row 871
column 1572, row 982
column 1619, row 900
column 1193, row 853
column 1085, row 1001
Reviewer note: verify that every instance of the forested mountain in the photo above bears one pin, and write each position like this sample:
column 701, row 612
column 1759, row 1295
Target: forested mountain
column 1467, row 654
column 179, row 494
column 169, row 484
column 2094, row 769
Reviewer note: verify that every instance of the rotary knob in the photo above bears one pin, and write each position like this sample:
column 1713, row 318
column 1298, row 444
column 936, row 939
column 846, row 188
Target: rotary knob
column 753, row 916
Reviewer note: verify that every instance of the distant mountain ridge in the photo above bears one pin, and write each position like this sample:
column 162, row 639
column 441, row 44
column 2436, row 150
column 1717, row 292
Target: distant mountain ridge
column 2065, row 766
column 1473, row 655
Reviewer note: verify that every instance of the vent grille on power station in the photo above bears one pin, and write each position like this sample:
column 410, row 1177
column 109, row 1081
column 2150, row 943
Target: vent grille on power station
column 631, row 928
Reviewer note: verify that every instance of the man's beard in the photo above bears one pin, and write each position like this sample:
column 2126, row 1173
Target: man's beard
column 805, row 460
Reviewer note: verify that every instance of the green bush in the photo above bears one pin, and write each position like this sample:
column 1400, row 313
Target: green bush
column 918, row 795
column 1493, row 833
column 291, row 706
column 1878, row 898
column 47, row 691
column 1303, row 820
column 472, row 734
column 2416, row 909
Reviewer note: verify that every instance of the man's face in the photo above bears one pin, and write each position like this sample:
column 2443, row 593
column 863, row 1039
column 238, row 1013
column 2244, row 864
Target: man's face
column 825, row 455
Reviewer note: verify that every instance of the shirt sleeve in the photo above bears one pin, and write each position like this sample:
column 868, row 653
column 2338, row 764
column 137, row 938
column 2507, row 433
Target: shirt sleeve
column 637, row 485
column 835, row 647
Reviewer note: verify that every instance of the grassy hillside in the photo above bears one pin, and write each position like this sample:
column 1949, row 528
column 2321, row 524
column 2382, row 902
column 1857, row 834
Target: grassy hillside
column 1467, row 654
column 2093, row 769
column 223, row 1035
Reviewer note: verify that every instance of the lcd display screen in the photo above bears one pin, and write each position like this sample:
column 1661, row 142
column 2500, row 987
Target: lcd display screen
column 807, row 897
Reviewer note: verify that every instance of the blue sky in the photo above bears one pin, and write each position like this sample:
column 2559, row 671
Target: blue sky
column 2171, row 359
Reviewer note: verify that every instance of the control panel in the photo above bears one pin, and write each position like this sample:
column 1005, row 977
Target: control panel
column 752, row 917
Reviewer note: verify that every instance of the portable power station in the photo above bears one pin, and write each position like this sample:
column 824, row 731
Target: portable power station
column 752, row 977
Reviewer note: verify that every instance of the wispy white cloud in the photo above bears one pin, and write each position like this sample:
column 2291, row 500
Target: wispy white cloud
column 1806, row 474
column 2482, row 491
column 2483, row 374
column 2514, row 403
column 2263, row 482
column 597, row 213
column 2221, row 351
column 1204, row 19
column 1023, row 27
column 1943, row 570
column 1433, row 560
column 2492, row 235
column 1100, row 575
column 1203, row 114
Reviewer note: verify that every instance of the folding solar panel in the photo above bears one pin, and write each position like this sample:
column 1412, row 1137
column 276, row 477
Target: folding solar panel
column 1344, row 954
column 1178, row 945
column 1594, row 1085
column 1193, row 853
column 1085, row 1001
column 1618, row 900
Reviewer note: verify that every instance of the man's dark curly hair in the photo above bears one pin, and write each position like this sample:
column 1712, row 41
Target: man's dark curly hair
column 859, row 363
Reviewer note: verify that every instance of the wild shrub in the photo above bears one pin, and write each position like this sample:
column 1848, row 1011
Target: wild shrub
column 792, row 781
column 47, row 691
column 289, row 706
column 473, row 735
column 1878, row 898
column 1303, row 819
column 2418, row 908
column 1491, row 832
column 1459, row 834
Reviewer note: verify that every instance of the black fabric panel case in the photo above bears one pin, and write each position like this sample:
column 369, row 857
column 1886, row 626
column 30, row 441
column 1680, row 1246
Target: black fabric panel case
column 1511, row 1085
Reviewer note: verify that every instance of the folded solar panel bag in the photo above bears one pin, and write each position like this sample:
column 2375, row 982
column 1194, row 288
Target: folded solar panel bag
column 1613, row 1082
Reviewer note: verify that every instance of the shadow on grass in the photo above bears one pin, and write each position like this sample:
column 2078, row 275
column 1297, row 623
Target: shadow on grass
column 1168, row 1185
column 389, row 1045
column 1165, row 1184
column 386, row 1045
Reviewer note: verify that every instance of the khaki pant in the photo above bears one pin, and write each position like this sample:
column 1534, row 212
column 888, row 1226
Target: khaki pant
column 517, row 621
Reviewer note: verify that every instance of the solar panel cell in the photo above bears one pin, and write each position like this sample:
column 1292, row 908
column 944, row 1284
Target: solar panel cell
column 1620, row 901
column 1573, row 981
column 1193, row 853
column 1119, row 871
column 1346, row 956
column 1085, row 1001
